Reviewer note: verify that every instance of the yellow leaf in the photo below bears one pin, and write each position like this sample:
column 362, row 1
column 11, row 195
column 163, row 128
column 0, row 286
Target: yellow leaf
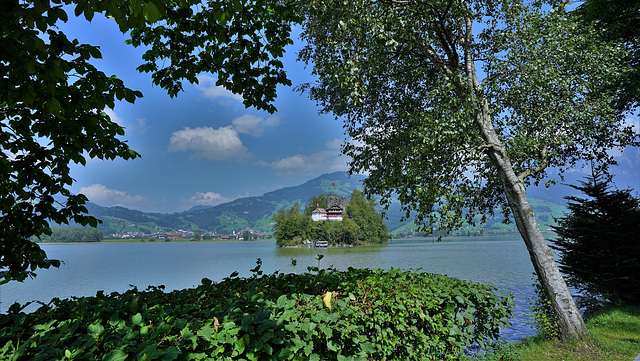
column 326, row 299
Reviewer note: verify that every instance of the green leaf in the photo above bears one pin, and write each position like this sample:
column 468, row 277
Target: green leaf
column 136, row 319
column 115, row 355
column 170, row 354
column 240, row 344
column 95, row 329
column 205, row 332
column 367, row 347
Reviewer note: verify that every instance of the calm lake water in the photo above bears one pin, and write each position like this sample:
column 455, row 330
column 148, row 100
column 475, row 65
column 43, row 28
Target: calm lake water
column 87, row 268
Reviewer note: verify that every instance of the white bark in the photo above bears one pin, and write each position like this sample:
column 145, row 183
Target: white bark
column 570, row 322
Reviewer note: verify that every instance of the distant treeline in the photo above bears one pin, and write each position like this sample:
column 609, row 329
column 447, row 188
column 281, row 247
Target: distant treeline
column 72, row 235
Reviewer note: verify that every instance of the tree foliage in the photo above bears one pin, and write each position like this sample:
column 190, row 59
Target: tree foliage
column 619, row 21
column 365, row 217
column 398, row 74
column 451, row 141
column 239, row 41
column 318, row 201
column 599, row 243
column 51, row 116
column 288, row 225
column 72, row 235
column 52, row 99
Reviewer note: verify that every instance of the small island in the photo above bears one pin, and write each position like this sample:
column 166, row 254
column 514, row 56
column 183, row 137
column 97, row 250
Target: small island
column 334, row 219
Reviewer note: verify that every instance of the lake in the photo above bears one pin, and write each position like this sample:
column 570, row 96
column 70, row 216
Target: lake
column 502, row 261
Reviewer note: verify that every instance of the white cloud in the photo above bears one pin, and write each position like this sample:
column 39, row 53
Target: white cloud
column 114, row 117
column 99, row 193
column 252, row 125
column 142, row 125
column 329, row 160
column 634, row 123
column 299, row 164
column 335, row 144
column 293, row 162
column 209, row 89
column 208, row 143
column 139, row 126
column 207, row 199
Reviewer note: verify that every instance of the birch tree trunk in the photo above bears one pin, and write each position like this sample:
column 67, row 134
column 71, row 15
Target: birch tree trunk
column 570, row 322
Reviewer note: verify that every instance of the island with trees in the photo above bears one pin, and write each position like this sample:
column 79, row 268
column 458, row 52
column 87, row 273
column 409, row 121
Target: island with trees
column 338, row 220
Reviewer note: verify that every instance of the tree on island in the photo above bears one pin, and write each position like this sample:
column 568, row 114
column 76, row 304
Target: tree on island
column 319, row 201
column 288, row 225
column 361, row 224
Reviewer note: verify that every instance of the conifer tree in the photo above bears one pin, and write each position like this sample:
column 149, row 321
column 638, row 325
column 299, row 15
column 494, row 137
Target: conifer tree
column 600, row 244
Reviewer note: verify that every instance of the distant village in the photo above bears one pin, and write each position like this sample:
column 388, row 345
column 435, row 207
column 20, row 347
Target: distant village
column 191, row 235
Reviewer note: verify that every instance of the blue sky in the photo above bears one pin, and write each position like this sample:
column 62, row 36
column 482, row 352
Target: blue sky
column 204, row 147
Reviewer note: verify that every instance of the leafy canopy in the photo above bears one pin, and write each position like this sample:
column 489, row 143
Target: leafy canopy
column 52, row 99
column 402, row 75
column 51, row 116
column 619, row 21
column 239, row 41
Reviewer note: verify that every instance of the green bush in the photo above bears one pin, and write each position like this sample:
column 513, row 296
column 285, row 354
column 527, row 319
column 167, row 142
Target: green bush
column 369, row 314
column 542, row 317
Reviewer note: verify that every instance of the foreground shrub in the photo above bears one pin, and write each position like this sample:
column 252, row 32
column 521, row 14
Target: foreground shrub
column 331, row 315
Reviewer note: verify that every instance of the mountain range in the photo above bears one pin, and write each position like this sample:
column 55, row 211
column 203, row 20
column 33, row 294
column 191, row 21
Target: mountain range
column 256, row 212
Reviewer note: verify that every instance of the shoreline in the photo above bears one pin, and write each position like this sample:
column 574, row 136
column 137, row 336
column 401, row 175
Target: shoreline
column 138, row 240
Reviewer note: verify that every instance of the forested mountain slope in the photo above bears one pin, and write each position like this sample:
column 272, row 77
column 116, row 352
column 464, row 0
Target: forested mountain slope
column 256, row 212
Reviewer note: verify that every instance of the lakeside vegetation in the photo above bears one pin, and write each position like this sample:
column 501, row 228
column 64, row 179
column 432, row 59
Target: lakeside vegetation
column 147, row 240
column 71, row 235
column 356, row 314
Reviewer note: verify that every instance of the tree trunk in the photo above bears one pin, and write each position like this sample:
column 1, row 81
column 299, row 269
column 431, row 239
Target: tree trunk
column 570, row 322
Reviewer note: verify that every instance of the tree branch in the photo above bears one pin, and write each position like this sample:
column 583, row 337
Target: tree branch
column 533, row 171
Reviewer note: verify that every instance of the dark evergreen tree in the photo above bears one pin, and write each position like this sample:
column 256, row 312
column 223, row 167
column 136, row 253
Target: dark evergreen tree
column 599, row 241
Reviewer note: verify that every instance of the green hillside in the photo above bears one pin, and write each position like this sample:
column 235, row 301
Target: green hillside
column 243, row 213
column 256, row 212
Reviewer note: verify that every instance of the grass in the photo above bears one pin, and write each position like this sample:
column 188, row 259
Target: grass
column 614, row 334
